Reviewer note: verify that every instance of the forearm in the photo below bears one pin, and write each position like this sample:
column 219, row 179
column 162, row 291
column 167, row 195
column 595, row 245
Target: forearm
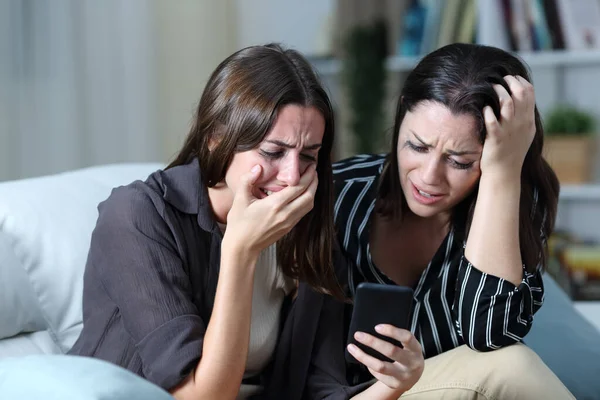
column 220, row 371
column 493, row 242
column 379, row 391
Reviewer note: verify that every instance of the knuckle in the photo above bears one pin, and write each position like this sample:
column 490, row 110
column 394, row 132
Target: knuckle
column 404, row 336
column 418, row 347
column 528, row 88
column 281, row 218
column 277, row 206
column 378, row 367
column 518, row 91
column 492, row 124
column 395, row 384
column 395, row 353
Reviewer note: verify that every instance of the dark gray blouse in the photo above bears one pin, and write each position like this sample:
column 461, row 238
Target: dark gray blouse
column 149, row 288
column 150, row 277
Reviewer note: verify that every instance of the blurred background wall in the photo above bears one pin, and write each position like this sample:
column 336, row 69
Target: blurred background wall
column 87, row 82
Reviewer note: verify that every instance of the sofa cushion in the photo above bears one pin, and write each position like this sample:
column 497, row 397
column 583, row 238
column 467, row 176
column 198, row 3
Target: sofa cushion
column 45, row 230
column 26, row 344
column 567, row 343
column 61, row 377
column 16, row 294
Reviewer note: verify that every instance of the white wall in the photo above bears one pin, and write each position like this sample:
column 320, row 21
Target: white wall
column 194, row 36
column 76, row 82
column 86, row 82
column 112, row 81
column 304, row 25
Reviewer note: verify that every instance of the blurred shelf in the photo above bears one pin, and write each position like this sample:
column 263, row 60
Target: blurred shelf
column 550, row 59
column 587, row 192
column 559, row 58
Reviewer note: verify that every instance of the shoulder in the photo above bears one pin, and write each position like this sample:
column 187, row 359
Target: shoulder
column 356, row 175
column 178, row 188
column 132, row 203
column 363, row 166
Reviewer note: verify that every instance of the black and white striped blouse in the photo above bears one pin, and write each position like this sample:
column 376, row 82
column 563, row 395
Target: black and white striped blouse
column 454, row 302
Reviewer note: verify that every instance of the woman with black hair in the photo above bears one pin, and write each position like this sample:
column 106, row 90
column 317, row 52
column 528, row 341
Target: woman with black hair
column 459, row 210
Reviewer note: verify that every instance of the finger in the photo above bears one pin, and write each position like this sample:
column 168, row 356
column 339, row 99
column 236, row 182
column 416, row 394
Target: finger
column 381, row 367
column 404, row 336
column 529, row 93
column 289, row 193
column 296, row 209
column 386, row 348
column 492, row 125
column 507, row 105
column 305, row 202
column 522, row 93
column 248, row 180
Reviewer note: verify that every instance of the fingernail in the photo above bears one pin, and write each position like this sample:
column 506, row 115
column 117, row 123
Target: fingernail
column 255, row 168
column 351, row 348
column 359, row 335
column 379, row 328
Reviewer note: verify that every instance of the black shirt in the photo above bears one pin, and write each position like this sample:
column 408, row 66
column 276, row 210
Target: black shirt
column 454, row 302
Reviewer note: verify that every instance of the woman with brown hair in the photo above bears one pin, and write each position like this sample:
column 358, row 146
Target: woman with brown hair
column 191, row 272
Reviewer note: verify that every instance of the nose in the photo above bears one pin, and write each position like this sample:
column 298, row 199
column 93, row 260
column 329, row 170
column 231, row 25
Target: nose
column 289, row 170
column 431, row 171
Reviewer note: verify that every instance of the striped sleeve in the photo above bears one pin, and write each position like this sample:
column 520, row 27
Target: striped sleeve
column 492, row 312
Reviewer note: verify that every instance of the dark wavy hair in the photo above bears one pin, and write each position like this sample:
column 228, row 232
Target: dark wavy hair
column 461, row 77
column 238, row 107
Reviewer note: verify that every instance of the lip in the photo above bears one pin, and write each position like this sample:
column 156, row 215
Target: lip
column 435, row 197
column 273, row 189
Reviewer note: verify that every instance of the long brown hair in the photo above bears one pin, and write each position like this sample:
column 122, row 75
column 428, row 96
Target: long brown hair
column 237, row 109
column 460, row 76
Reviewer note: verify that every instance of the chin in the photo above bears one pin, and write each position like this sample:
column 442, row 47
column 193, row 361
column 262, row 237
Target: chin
column 423, row 211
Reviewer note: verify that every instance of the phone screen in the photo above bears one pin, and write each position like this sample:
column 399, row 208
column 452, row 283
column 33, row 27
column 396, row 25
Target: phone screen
column 376, row 304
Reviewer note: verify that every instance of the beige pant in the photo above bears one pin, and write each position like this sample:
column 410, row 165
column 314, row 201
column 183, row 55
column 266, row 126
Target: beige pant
column 513, row 372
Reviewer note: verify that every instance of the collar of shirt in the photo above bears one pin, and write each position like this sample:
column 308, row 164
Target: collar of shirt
column 183, row 189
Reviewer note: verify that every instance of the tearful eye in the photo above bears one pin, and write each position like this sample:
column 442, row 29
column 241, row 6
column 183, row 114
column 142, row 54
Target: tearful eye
column 271, row 154
column 459, row 165
column 414, row 147
column 309, row 157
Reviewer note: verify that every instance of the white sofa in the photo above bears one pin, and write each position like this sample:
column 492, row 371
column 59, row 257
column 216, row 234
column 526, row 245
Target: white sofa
column 45, row 229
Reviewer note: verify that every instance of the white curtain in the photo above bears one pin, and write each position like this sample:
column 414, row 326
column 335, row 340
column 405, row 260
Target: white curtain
column 77, row 85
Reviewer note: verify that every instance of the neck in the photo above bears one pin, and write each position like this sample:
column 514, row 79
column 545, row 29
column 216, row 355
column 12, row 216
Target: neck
column 220, row 202
column 435, row 224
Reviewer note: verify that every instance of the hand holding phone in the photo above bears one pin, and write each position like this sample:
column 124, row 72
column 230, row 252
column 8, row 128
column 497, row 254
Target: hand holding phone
column 379, row 337
column 377, row 304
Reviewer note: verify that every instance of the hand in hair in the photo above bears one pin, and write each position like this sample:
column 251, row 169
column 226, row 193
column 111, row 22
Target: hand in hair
column 393, row 378
column 254, row 224
column 508, row 139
